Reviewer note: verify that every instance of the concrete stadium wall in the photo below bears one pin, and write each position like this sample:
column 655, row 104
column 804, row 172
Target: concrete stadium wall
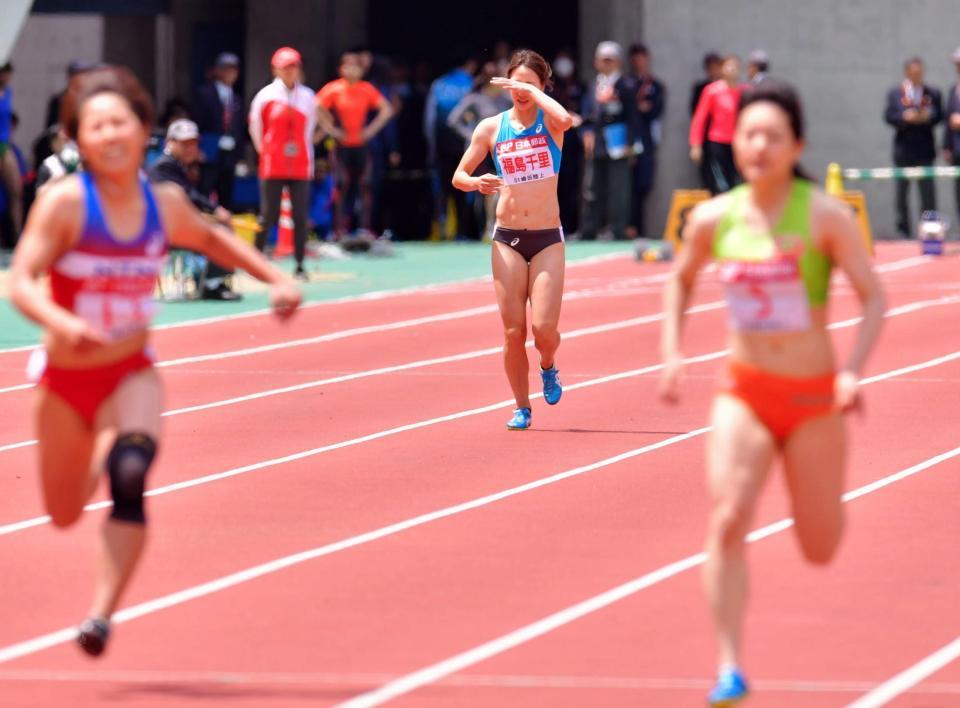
column 322, row 29
column 843, row 56
column 619, row 20
column 44, row 47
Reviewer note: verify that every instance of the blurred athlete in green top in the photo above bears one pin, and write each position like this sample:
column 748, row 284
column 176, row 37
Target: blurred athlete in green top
column 775, row 240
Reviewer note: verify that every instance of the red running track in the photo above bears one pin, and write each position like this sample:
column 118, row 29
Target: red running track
column 329, row 628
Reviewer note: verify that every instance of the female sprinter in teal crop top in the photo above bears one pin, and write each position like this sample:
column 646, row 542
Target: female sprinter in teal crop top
column 775, row 241
column 528, row 250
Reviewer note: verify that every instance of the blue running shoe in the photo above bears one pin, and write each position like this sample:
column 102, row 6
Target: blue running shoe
column 730, row 689
column 520, row 420
column 552, row 388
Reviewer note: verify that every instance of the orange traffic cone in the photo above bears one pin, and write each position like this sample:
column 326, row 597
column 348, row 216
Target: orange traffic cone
column 284, row 227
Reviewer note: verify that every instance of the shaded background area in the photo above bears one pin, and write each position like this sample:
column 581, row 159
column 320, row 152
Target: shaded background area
column 842, row 56
column 441, row 31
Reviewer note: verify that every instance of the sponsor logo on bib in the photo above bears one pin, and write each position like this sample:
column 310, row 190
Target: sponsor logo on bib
column 525, row 159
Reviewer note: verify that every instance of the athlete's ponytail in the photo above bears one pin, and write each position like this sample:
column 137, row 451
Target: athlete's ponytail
column 786, row 98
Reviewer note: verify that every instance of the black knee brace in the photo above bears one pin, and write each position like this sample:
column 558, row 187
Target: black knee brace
column 127, row 465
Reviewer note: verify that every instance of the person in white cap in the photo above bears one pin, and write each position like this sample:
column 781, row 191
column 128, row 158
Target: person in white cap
column 180, row 153
column 758, row 64
column 609, row 137
column 282, row 121
column 951, row 141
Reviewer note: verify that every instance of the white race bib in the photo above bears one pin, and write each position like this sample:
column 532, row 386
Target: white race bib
column 766, row 296
column 525, row 159
column 115, row 315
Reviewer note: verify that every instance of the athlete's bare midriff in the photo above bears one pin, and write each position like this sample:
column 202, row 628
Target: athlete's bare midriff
column 532, row 205
column 65, row 356
column 797, row 354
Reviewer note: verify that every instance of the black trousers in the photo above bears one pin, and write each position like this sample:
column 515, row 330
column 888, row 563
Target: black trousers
column 956, row 186
column 218, row 176
column 723, row 170
column 270, row 194
column 450, row 149
column 376, row 180
column 570, row 182
column 608, row 197
column 928, row 196
column 644, row 173
column 353, row 180
column 706, row 176
column 408, row 206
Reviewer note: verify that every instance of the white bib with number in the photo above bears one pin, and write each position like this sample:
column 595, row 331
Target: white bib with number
column 525, row 159
column 766, row 296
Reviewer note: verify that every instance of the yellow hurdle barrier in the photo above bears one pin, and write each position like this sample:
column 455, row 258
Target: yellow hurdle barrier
column 683, row 201
column 855, row 199
column 681, row 204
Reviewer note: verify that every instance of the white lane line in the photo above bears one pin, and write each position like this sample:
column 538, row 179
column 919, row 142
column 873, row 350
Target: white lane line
column 364, row 297
column 453, row 358
column 460, row 314
column 903, row 264
column 333, row 336
column 17, row 445
column 616, row 287
column 899, row 310
column 328, row 337
column 610, row 290
column 65, row 635
column 274, row 678
column 646, row 319
column 32, row 646
column 430, row 674
column 206, row 479
column 378, row 295
column 913, row 367
column 369, row 329
column 906, row 680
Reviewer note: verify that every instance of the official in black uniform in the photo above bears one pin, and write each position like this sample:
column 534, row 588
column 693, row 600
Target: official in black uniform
column 913, row 108
column 951, row 142
column 218, row 110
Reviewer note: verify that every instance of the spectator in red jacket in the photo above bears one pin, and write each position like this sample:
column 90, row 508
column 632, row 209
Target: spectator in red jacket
column 713, row 70
column 282, row 121
column 718, row 103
